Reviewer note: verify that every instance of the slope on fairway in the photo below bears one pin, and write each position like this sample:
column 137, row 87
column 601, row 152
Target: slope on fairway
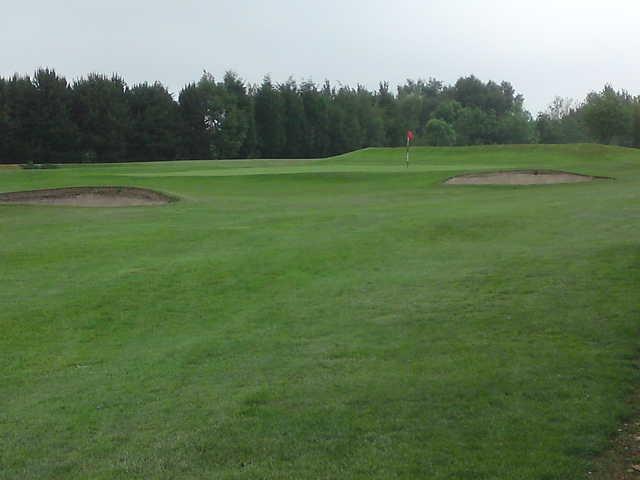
column 336, row 318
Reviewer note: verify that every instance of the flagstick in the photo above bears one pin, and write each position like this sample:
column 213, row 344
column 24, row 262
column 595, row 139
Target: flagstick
column 407, row 160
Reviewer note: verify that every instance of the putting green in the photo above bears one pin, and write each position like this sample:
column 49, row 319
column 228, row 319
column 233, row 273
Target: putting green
column 314, row 168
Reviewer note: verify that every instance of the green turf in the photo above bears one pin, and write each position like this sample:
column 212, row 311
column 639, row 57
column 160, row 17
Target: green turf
column 340, row 318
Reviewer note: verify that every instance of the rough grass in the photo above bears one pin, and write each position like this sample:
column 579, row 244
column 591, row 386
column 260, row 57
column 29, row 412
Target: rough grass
column 342, row 318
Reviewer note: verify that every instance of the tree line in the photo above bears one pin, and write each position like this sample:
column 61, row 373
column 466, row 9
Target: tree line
column 99, row 118
column 609, row 116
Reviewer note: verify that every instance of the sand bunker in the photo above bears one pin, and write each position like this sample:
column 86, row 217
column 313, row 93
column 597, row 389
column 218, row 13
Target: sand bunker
column 520, row 177
column 87, row 197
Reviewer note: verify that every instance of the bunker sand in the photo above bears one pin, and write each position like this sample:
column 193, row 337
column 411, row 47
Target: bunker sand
column 520, row 177
column 87, row 197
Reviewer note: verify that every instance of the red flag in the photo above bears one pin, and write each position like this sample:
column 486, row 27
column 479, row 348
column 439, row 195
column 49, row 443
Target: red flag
column 409, row 136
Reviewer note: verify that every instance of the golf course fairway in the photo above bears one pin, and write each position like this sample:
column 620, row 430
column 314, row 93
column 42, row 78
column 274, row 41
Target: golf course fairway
column 342, row 318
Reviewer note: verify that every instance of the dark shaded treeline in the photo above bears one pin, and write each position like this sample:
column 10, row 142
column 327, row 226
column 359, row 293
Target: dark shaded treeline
column 99, row 118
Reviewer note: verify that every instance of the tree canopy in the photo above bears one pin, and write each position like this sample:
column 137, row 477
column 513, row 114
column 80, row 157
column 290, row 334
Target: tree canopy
column 100, row 118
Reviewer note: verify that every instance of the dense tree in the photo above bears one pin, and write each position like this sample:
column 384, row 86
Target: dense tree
column 439, row 133
column 386, row 102
column 370, row 119
column 469, row 92
column 4, row 122
column 636, row 123
column 608, row 115
column 348, row 125
column 154, row 123
column 215, row 114
column 315, row 139
column 100, row 110
column 448, row 110
column 418, row 102
column 250, row 145
column 237, row 136
column 21, row 107
column 218, row 118
column 498, row 98
column 474, row 126
column 294, row 119
column 270, row 120
column 194, row 137
column 516, row 128
column 547, row 129
column 55, row 133
column 562, row 122
column 99, row 118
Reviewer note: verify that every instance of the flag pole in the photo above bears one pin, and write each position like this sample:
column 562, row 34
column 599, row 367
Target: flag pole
column 407, row 160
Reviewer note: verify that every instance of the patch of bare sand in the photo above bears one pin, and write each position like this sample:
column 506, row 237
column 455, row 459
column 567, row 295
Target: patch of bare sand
column 87, row 197
column 520, row 177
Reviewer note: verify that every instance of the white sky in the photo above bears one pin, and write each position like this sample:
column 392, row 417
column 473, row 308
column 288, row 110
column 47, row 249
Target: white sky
column 543, row 47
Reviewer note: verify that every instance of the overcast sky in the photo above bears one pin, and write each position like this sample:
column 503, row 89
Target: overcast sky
column 543, row 47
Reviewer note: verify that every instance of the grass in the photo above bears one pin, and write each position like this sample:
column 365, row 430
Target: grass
column 339, row 318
